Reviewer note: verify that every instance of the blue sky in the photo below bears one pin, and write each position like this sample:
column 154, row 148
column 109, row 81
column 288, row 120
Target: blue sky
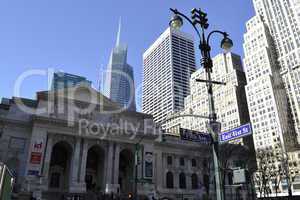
column 77, row 36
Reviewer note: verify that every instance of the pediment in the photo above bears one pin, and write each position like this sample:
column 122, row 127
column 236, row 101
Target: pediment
column 79, row 94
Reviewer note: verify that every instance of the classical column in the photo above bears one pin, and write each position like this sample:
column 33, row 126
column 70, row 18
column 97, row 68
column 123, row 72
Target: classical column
column 188, row 181
column 109, row 160
column 176, row 179
column 76, row 160
column 116, row 164
column 83, row 161
column 189, row 164
column 74, row 184
column 47, row 160
column 159, row 170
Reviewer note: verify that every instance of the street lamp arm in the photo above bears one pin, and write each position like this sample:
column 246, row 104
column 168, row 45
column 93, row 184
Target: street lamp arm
column 175, row 11
column 216, row 31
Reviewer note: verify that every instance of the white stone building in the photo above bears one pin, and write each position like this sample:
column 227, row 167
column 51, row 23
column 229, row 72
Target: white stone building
column 283, row 21
column 230, row 99
column 82, row 144
column 168, row 64
column 265, row 93
column 267, row 100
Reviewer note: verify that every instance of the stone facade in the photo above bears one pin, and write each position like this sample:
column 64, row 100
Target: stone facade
column 54, row 149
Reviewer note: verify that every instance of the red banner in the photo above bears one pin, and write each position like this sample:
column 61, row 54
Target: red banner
column 35, row 158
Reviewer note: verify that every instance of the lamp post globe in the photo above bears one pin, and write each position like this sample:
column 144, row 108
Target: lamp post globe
column 176, row 21
column 226, row 43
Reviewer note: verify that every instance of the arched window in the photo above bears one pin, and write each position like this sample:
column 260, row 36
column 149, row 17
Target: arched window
column 194, row 163
column 206, row 182
column 182, row 161
column 194, row 181
column 169, row 160
column 170, row 180
column 182, row 182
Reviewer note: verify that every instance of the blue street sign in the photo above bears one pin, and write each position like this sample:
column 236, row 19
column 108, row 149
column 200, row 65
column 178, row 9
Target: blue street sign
column 235, row 133
column 195, row 136
column 33, row 173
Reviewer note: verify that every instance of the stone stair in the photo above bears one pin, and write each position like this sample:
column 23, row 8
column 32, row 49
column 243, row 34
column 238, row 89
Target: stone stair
column 69, row 196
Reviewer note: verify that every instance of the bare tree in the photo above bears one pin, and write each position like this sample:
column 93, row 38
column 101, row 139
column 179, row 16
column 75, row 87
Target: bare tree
column 262, row 175
column 228, row 153
column 271, row 170
column 276, row 176
column 286, row 165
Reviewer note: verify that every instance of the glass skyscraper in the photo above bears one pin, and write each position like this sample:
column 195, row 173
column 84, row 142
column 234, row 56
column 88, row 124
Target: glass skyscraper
column 119, row 79
column 63, row 80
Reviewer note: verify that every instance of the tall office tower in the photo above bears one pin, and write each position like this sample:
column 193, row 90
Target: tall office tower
column 63, row 80
column 283, row 21
column 119, row 79
column 230, row 99
column 268, row 105
column 168, row 65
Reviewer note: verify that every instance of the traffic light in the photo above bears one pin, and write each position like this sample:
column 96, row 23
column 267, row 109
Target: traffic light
column 195, row 16
column 199, row 17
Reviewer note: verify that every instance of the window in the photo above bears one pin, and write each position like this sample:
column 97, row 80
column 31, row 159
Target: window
column 194, row 163
column 206, row 182
column 182, row 182
column 230, row 178
column 169, row 160
column 182, row 161
column 194, row 181
column 204, row 163
column 17, row 143
column 170, row 180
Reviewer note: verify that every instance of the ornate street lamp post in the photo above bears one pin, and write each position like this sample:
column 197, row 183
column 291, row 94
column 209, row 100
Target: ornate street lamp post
column 200, row 23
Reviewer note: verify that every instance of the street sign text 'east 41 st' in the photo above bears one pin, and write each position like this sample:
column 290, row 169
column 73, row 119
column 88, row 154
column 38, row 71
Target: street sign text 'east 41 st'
column 235, row 133
column 195, row 136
